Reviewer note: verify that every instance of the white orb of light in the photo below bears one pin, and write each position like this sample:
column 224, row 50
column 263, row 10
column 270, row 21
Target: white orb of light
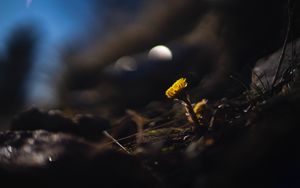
column 161, row 53
column 125, row 63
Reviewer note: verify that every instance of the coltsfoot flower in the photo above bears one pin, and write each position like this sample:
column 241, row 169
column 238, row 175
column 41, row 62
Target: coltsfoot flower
column 177, row 92
column 199, row 108
column 176, row 88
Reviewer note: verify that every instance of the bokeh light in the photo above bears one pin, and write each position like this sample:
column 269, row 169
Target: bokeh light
column 161, row 53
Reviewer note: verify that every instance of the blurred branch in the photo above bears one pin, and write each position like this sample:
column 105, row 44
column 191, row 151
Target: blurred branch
column 284, row 44
column 15, row 67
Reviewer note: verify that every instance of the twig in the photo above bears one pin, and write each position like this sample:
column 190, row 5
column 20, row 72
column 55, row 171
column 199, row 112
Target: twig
column 115, row 141
column 239, row 81
column 149, row 129
column 283, row 48
column 140, row 122
column 267, row 80
column 260, row 80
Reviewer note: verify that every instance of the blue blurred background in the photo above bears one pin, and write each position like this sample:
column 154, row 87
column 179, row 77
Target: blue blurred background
column 58, row 22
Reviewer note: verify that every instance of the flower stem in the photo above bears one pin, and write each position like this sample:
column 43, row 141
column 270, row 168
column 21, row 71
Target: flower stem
column 197, row 127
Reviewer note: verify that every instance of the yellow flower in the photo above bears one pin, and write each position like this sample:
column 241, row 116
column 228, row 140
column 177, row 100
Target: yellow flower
column 199, row 108
column 176, row 88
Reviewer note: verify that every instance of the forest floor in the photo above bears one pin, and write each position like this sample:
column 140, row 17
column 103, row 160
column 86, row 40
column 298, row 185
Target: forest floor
column 245, row 141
